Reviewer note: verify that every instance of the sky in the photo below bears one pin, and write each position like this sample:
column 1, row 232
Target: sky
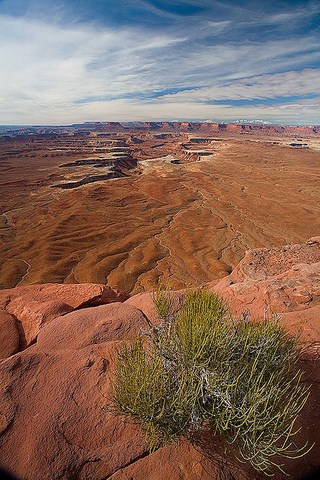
column 71, row 61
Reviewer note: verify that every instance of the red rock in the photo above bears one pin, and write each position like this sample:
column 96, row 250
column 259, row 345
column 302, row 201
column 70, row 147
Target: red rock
column 92, row 326
column 304, row 324
column 145, row 303
column 33, row 315
column 76, row 295
column 54, row 394
column 182, row 461
column 34, row 305
column 281, row 279
column 9, row 335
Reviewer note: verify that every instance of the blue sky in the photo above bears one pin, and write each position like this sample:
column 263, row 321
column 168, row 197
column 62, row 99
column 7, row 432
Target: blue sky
column 68, row 61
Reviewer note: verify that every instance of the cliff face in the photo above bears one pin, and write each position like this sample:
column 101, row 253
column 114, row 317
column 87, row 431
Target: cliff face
column 232, row 128
column 57, row 344
column 86, row 129
column 207, row 127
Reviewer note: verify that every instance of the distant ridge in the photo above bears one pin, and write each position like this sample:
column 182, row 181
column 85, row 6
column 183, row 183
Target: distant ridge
column 203, row 127
column 192, row 127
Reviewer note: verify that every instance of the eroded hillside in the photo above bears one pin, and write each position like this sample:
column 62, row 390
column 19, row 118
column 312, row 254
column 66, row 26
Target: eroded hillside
column 130, row 208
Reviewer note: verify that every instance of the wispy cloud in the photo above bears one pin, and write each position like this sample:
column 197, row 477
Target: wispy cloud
column 47, row 65
column 287, row 84
column 58, row 68
column 297, row 113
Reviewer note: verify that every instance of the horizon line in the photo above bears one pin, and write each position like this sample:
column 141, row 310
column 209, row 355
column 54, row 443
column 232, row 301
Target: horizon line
column 123, row 122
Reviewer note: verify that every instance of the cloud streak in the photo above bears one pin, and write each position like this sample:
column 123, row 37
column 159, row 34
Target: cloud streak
column 197, row 66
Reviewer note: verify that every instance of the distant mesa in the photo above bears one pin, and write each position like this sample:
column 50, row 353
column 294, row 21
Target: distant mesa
column 104, row 128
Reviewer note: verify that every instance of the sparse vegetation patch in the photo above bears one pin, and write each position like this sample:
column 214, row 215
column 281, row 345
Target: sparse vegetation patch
column 200, row 369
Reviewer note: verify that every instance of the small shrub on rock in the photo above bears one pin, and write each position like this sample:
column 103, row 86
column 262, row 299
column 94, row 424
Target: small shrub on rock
column 198, row 369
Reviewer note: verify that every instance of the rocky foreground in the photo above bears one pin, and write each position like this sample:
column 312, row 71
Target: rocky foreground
column 57, row 345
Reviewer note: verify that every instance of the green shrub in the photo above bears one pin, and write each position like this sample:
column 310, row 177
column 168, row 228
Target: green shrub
column 198, row 367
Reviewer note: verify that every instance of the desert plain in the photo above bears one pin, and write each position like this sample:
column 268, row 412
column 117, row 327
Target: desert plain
column 134, row 207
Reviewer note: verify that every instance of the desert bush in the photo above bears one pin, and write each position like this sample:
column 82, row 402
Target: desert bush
column 200, row 369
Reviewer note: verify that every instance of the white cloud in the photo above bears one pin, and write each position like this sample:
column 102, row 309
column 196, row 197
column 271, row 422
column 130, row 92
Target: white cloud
column 45, row 63
column 53, row 73
column 287, row 84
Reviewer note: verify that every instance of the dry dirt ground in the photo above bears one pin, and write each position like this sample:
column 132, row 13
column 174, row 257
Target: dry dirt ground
column 178, row 210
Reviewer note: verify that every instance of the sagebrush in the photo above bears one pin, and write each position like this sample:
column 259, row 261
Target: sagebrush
column 199, row 368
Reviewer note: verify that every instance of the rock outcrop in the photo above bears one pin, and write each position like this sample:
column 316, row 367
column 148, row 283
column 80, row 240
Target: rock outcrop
column 58, row 343
column 281, row 280
column 24, row 310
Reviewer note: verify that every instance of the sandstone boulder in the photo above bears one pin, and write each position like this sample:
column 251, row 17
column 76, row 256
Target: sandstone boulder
column 53, row 399
column 34, row 305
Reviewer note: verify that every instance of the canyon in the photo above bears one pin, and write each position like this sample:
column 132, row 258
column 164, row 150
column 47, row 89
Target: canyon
column 132, row 205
